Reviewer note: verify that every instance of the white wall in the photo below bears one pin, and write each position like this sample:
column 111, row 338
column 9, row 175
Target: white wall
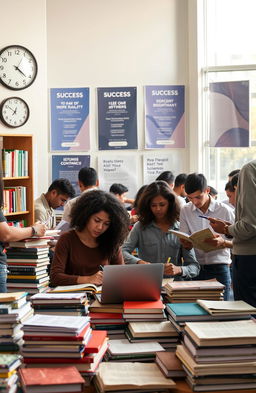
column 103, row 43
column 24, row 23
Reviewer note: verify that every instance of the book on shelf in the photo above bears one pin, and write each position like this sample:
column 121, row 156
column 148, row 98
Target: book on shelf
column 79, row 287
column 51, row 380
column 198, row 238
column 226, row 307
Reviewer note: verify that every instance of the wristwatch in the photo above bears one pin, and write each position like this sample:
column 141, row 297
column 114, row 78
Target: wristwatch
column 226, row 233
column 34, row 233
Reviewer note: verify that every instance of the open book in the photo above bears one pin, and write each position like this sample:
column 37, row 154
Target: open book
column 197, row 238
column 79, row 287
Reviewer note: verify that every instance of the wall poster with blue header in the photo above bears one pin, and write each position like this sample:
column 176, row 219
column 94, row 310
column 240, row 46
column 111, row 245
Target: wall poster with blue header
column 164, row 117
column 117, row 118
column 69, row 119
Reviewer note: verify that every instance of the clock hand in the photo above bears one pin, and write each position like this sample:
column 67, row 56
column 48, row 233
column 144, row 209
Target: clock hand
column 13, row 111
column 17, row 69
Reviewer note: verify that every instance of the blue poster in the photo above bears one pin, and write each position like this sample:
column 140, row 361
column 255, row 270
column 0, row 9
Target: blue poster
column 70, row 119
column 117, row 118
column 68, row 167
column 165, row 117
column 229, row 114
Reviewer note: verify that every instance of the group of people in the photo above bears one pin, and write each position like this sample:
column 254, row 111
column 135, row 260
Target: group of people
column 100, row 231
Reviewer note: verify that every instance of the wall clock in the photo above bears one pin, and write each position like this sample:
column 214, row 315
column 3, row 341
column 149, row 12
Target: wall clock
column 18, row 67
column 14, row 112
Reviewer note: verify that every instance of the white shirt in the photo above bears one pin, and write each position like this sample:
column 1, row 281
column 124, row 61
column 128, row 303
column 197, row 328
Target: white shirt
column 190, row 222
column 68, row 206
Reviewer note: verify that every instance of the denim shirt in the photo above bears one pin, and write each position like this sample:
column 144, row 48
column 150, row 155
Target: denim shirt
column 156, row 246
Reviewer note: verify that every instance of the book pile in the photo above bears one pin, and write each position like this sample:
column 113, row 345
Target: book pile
column 75, row 304
column 51, row 380
column 63, row 341
column 9, row 364
column 144, row 311
column 162, row 332
column 219, row 355
column 170, row 365
column 27, row 266
column 14, row 310
column 179, row 313
column 190, row 291
column 131, row 377
column 108, row 317
column 123, row 350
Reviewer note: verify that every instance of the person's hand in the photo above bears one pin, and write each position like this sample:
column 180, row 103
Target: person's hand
column 134, row 219
column 217, row 241
column 94, row 279
column 186, row 244
column 218, row 225
column 172, row 270
column 40, row 229
column 141, row 262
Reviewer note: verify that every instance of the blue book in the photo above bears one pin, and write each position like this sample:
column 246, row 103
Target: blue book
column 185, row 312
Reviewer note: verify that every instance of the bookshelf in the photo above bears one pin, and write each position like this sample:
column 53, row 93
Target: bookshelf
column 22, row 142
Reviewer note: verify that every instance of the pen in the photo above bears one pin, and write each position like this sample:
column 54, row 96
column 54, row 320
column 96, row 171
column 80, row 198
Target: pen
column 168, row 260
column 101, row 268
column 204, row 217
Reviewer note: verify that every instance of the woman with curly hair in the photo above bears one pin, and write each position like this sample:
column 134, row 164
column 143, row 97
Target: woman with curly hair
column 99, row 225
column 158, row 212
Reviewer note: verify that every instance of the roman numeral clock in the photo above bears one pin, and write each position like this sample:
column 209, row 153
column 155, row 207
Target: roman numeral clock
column 18, row 70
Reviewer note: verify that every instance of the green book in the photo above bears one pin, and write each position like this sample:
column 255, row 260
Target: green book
column 187, row 311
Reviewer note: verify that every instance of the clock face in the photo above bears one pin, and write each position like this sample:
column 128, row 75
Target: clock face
column 14, row 112
column 18, row 67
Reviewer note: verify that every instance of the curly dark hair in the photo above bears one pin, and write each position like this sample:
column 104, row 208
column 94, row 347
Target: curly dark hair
column 154, row 189
column 94, row 201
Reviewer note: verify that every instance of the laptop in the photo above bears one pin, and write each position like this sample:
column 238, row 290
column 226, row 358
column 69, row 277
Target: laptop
column 131, row 282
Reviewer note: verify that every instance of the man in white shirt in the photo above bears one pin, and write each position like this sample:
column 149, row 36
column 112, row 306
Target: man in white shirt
column 214, row 264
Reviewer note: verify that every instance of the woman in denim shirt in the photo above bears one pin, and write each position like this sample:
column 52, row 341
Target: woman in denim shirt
column 158, row 212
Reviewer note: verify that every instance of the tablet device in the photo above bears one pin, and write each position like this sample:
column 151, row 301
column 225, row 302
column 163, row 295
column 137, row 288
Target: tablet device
column 131, row 282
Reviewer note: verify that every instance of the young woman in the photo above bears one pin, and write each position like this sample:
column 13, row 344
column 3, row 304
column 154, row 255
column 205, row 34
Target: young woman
column 159, row 212
column 100, row 225
column 8, row 233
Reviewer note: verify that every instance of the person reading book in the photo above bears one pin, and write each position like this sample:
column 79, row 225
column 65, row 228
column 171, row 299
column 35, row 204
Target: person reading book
column 158, row 210
column 214, row 264
column 11, row 233
column 99, row 223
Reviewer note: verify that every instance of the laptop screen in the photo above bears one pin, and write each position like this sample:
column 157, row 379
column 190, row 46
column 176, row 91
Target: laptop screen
column 131, row 282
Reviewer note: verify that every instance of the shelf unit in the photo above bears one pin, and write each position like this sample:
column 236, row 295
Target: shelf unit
column 20, row 142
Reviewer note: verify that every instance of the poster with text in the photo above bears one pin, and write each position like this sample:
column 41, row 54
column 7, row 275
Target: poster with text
column 117, row 118
column 164, row 117
column 121, row 169
column 229, row 114
column 70, row 119
column 68, row 167
column 154, row 164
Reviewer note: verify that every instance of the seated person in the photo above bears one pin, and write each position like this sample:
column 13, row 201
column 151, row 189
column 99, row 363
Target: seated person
column 120, row 192
column 158, row 212
column 57, row 195
column 168, row 177
column 100, row 225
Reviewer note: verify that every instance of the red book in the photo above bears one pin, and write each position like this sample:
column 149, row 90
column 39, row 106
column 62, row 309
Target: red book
column 44, row 337
column 96, row 341
column 54, row 379
column 143, row 306
column 106, row 315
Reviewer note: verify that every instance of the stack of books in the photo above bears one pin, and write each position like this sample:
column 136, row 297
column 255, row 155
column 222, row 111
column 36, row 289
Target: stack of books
column 51, row 380
column 9, row 364
column 170, row 365
column 131, row 377
column 75, row 304
column 179, row 313
column 190, row 291
column 123, row 350
column 219, row 355
column 144, row 311
column 162, row 332
column 14, row 310
column 27, row 265
column 63, row 341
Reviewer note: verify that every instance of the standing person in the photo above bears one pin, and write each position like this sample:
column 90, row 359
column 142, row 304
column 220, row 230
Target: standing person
column 158, row 212
column 168, row 177
column 100, row 225
column 179, row 188
column 243, row 232
column 57, row 195
column 87, row 180
column 214, row 264
column 9, row 233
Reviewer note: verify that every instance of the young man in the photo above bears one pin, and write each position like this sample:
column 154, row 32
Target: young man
column 57, row 195
column 168, row 177
column 120, row 191
column 214, row 264
column 87, row 180
column 179, row 188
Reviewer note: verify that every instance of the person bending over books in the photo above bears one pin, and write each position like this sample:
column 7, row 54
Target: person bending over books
column 10, row 233
column 158, row 210
column 99, row 223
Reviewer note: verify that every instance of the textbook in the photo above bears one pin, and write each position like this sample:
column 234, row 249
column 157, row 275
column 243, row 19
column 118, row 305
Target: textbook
column 227, row 307
column 197, row 238
column 79, row 287
column 141, row 307
column 170, row 365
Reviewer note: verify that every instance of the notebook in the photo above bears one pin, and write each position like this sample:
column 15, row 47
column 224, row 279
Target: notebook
column 131, row 282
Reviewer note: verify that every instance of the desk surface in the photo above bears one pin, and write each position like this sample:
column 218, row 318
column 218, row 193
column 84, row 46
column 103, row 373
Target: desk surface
column 182, row 387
